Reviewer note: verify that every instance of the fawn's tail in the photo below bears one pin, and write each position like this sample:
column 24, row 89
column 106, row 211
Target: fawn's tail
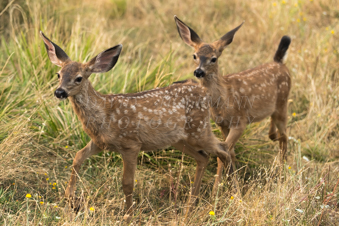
column 281, row 54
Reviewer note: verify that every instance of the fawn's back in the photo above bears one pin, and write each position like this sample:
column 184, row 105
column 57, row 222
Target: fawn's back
column 253, row 94
column 154, row 118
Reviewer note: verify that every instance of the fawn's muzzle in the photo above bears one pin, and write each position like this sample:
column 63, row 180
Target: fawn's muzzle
column 199, row 73
column 60, row 93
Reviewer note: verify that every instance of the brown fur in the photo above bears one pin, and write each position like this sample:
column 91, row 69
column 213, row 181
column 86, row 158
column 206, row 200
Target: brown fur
column 177, row 115
column 242, row 98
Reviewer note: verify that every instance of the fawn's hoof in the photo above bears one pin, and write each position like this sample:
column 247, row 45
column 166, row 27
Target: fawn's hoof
column 127, row 218
column 75, row 203
column 273, row 136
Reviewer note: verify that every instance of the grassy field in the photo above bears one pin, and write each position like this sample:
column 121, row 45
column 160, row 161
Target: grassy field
column 39, row 135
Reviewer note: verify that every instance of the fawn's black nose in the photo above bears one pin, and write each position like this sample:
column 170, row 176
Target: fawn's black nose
column 60, row 93
column 199, row 73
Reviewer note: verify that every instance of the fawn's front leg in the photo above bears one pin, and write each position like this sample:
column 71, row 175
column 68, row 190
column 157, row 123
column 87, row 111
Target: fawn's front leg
column 232, row 136
column 130, row 159
column 87, row 151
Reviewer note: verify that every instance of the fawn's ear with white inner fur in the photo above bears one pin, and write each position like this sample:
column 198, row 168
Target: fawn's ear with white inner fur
column 105, row 60
column 226, row 39
column 55, row 53
column 187, row 34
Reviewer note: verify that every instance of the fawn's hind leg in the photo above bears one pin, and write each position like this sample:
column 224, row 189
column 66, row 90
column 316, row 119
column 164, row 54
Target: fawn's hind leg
column 272, row 133
column 202, row 158
column 280, row 120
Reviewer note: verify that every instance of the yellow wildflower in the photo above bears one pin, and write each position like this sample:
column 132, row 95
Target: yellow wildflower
column 65, row 167
column 332, row 32
column 289, row 167
column 41, row 202
column 274, row 4
column 136, row 181
column 39, row 197
column 232, row 197
column 13, row 183
column 91, row 209
column 55, row 206
column 28, row 196
column 53, row 188
column 66, row 146
column 283, row 2
column 294, row 114
column 212, row 213
column 54, row 184
column 47, row 179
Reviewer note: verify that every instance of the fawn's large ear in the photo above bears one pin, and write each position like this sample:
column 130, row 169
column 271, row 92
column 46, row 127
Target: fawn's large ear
column 226, row 39
column 187, row 34
column 105, row 60
column 55, row 53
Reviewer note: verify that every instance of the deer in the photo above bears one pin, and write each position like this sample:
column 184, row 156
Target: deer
column 242, row 98
column 177, row 115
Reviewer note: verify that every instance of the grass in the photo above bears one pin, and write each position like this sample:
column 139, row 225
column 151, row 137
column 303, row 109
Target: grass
column 39, row 135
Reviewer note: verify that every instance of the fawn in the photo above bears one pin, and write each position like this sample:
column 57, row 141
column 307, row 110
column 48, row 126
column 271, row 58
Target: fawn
column 177, row 115
column 242, row 98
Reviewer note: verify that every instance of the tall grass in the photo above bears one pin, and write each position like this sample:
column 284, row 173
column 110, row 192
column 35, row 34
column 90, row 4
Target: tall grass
column 40, row 135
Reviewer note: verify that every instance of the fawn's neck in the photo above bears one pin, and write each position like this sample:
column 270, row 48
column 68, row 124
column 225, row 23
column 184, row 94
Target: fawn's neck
column 216, row 87
column 90, row 106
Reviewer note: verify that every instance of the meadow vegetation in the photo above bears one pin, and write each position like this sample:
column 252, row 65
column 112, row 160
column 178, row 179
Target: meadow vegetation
column 39, row 135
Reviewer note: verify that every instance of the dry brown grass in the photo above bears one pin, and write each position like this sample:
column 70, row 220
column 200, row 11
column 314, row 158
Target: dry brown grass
column 39, row 135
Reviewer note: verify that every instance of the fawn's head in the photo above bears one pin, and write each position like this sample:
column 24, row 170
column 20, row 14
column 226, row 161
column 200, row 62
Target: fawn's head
column 206, row 54
column 73, row 75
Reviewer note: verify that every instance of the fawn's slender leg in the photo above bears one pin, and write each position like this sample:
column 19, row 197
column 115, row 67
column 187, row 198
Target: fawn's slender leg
column 202, row 160
column 218, row 177
column 232, row 137
column 280, row 120
column 87, row 151
column 272, row 133
column 130, row 159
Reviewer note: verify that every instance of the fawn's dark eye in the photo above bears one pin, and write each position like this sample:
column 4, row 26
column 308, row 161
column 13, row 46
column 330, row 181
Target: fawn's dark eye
column 78, row 79
column 214, row 59
column 194, row 57
column 58, row 75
